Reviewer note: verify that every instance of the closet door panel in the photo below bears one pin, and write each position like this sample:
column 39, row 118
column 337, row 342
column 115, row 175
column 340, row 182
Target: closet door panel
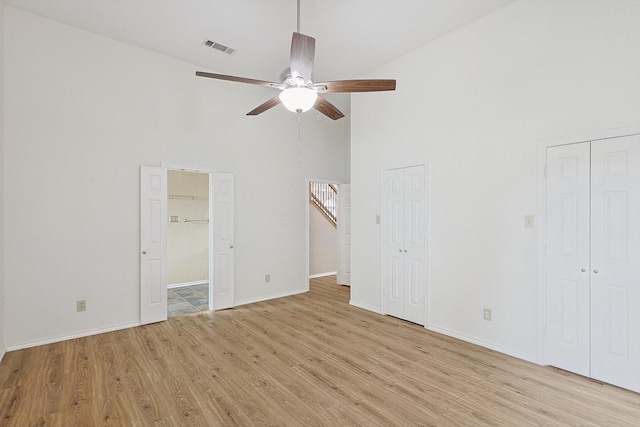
column 415, row 245
column 567, row 344
column 393, row 243
column 615, row 261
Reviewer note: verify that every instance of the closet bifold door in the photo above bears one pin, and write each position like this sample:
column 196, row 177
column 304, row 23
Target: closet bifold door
column 567, row 342
column 615, row 261
column 404, row 244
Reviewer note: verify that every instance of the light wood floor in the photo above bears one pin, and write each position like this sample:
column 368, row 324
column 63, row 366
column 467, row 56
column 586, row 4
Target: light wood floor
column 304, row 360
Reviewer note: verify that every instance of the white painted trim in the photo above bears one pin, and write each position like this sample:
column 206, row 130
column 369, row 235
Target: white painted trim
column 72, row 336
column 185, row 284
column 187, row 168
column 3, row 351
column 541, row 220
column 366, row 307
column 270, row 297
column 329, row 273
column 491, row 346
column 589, row 136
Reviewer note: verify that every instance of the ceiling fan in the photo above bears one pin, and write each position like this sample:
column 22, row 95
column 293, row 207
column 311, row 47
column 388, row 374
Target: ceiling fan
column 299, row 90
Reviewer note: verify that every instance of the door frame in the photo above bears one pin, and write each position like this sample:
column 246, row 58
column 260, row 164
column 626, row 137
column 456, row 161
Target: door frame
column 307, row 193
column 210, row 172
column 541, row 219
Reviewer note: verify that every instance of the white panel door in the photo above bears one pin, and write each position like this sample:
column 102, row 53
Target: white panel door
column 393, row 235
column 568, row 329
column 223, row 241
column 404, row 244
column 414, row 250
column 615, row 261
column 344, row 234
column 153, row 243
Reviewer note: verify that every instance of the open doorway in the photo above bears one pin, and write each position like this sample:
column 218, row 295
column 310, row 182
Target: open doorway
column 188, row 242
column 328, row 235
column 154, row 221
column 322, row 228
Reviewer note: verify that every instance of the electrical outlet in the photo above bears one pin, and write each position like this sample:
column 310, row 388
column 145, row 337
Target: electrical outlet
column 81, row 305
column 267, row 278
column 486, row 314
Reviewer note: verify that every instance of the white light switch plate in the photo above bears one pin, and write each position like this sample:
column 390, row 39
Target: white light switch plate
column 528, row 221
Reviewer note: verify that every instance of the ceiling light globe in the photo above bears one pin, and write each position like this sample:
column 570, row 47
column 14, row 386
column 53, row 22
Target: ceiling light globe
column 298, row 99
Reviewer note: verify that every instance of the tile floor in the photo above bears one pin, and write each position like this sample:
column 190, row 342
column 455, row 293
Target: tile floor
column 187, row 300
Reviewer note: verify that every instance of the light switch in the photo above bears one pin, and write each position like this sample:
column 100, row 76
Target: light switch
column 528, row 221
column 174, row 218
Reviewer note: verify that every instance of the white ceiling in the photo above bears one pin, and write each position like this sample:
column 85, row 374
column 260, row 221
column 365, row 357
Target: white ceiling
column 353, row 37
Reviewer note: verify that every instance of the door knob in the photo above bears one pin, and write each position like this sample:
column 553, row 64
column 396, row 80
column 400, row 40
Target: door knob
column 595, row 271
column 583, row 270
column 399, row 250
column 144, row 252
column 231, row 247
column 405, row 251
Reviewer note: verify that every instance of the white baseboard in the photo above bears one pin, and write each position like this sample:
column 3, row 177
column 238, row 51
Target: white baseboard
column 330, row 273
column 184, row 284
column 268, row 297
column 2, row 353
column 70, row 337
column 491, row 346
column 365, row 306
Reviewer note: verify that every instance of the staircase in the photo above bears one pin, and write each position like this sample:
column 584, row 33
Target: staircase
column 324, row 197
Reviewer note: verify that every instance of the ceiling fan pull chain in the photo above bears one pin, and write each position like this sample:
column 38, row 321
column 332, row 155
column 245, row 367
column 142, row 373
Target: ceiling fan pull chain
column 299, row 151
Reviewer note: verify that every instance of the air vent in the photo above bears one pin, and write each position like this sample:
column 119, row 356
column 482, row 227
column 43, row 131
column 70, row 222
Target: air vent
column 220, row 47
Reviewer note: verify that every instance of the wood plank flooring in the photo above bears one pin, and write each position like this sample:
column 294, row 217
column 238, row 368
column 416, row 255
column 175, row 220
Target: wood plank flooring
column 310, row 359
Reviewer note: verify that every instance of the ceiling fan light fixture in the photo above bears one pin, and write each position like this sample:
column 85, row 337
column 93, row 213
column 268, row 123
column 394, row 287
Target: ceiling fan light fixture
column 298, row 99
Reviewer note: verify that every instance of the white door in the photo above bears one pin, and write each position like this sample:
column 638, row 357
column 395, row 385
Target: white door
column 153, row 239
column 344, row 235
column 404, row 244
column 615, row 261
column 568, row 329
column 223, row 241
column 414, row 245
column 393, row 242
column 593, row 259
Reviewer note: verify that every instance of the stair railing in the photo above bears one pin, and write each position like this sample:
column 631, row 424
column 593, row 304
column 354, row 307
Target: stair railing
column 324, row 197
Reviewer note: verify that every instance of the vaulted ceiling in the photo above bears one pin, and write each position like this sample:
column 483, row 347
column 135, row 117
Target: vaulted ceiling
column 352, row 36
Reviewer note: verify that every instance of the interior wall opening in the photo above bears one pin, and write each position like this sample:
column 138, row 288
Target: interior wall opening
column 188, row 243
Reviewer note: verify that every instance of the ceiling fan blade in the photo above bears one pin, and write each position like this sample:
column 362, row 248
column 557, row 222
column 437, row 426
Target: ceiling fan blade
column 327, row 108
column 238, row 79
column 303, row 50
column 348, row 86
column 265, row 106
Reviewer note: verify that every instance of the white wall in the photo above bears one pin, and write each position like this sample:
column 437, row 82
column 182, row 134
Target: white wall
column 187, row 242
column 2, row 168
column 474, row 105
column 83, row 112
column 323, row 244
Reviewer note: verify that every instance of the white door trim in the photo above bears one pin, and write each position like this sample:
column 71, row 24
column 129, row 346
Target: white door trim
column 541, row 215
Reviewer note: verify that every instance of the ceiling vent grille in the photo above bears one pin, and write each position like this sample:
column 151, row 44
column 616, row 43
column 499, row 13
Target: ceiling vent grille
column 220, row 47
